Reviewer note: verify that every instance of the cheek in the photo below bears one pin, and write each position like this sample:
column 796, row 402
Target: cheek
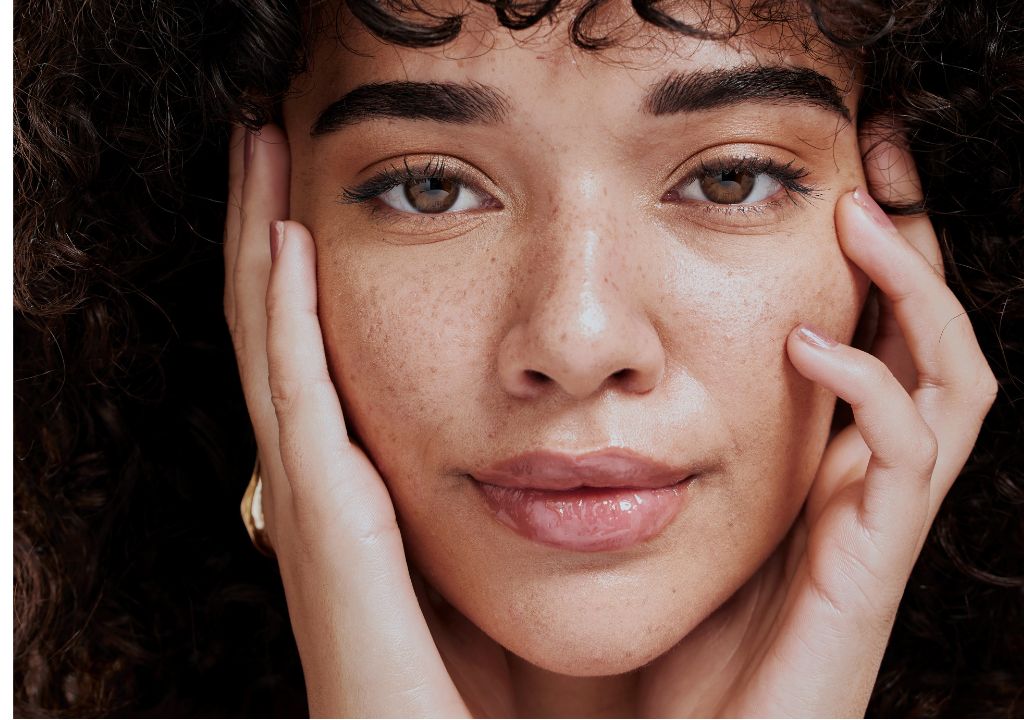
column 405, row 342
column 777, row 420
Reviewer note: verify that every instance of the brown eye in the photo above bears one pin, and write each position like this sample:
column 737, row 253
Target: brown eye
column 430, row 189
column 735, row 186
column 728, row 188
column 431, row 195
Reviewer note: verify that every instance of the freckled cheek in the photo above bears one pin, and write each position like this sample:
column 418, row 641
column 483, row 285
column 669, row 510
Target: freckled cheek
column 771, row 409
column 405, row 353
column 818, row 287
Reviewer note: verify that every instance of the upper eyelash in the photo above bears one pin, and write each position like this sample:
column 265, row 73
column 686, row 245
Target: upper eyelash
column 393, row 176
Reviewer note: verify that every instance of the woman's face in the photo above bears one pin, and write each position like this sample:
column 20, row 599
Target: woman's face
column 620, row 267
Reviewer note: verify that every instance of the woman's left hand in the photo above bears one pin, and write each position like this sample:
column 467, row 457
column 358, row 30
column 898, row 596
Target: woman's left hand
column 811, row 644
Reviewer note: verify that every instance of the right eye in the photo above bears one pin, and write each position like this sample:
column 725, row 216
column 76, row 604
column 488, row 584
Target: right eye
column 431, row 195
column 430, row 188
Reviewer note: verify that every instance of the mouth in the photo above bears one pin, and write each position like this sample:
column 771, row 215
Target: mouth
column 613, row 467
column 598, row 502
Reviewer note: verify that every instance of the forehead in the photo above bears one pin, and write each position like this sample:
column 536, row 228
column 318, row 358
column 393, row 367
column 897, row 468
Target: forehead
column 541, row 66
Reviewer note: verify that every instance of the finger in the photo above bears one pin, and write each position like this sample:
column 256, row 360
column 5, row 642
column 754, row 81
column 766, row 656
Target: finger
column 264, row 199
column 903, row 447
column 233, row 217
column 315, row 449
column 955, row 387
column 892, row 179
column 935, row 325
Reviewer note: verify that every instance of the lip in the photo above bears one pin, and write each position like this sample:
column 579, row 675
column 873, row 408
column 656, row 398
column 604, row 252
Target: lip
column 601, row 501
column 612, row 467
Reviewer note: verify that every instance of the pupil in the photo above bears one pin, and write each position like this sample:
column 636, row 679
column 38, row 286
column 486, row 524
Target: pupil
column 728, row 188
column 432, row 195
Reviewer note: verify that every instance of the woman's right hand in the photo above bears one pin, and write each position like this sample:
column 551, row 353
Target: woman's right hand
column 365, row 645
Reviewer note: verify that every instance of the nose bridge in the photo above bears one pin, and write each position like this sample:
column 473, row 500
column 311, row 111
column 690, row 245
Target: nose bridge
column 586, row 238
column 578, row 287
column 584, row 323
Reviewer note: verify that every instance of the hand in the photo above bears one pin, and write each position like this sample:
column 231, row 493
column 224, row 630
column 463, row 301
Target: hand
column 365, row 646
column 814, row 625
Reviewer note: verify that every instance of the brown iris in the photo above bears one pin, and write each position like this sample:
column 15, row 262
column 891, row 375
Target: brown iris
column 728, row 188
column 432, row 195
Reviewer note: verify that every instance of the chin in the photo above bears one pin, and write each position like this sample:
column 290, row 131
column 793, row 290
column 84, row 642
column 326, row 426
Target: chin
column 594, row 647
column 607, row 627
column 590, row 661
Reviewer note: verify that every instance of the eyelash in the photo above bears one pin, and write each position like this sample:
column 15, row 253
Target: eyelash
column 394, row 176
column 788, row 175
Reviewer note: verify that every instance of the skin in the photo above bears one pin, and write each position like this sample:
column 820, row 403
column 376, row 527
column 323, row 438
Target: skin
column 385, row 356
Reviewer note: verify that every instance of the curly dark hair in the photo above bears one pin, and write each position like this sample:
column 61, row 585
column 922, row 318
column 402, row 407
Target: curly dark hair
column 136, row 591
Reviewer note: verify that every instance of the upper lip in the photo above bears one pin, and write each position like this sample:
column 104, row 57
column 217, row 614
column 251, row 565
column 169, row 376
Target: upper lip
column 549, row 470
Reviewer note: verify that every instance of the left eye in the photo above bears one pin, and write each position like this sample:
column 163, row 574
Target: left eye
column 431, row 196
column 730, row 187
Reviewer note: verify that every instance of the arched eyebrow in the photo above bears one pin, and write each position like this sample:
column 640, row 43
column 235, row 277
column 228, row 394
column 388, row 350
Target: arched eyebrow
column 710, row 89
column 440, row 101
column 465, row 103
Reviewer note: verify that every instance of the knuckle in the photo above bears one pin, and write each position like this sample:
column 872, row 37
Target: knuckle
column 238, row 341
column 986, row 389
column 284, row 392
column 229, row 313
column 880, row 375
column 288, row 391
column 923, row 450
column 378, row 535
column 275, row 306
column 875, row 375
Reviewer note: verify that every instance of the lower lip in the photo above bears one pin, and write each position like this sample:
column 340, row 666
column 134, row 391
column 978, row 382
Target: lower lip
column 586, row 519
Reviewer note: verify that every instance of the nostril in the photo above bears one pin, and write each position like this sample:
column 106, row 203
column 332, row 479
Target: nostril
column 537, row 377
column 623, row 374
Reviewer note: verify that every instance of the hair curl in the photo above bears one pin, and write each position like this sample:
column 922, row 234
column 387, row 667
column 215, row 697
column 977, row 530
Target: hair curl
column 136, row 591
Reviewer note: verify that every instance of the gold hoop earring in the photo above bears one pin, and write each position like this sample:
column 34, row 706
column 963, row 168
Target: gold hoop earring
column 252, row 513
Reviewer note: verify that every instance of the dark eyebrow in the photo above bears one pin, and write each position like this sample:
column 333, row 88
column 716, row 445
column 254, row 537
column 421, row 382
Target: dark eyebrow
column 441, row 101
column 707, row 90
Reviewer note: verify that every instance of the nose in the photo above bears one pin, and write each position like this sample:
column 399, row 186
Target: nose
column 583, row 327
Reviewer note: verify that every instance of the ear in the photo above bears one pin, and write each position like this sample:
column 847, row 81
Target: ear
column 888, row 165
column 893, row 181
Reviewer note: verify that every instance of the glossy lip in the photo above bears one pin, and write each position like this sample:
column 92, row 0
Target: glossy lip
column 608, row 468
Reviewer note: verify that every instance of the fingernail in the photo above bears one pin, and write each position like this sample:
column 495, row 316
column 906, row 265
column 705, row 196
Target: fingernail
column 248, row 150
column 276, row 238
column 871, row 209
column 814, row 337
